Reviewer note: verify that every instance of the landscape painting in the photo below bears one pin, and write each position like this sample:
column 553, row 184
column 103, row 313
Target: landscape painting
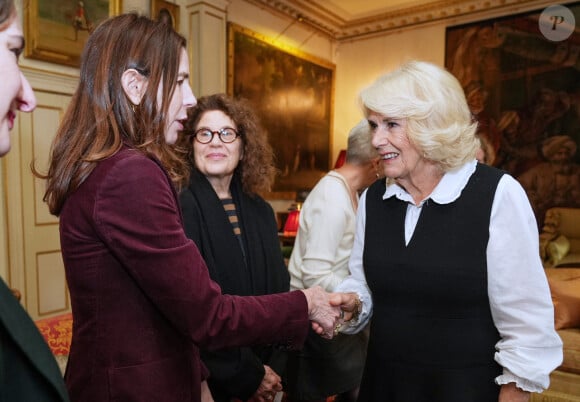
column 58, row 29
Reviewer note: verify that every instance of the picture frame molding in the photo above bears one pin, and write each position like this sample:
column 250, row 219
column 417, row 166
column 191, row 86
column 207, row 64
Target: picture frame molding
column 52, row 50
column 232, row 30
column 527, row 100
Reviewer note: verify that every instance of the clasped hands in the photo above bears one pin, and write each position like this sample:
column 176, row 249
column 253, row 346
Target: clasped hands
column 329, row 311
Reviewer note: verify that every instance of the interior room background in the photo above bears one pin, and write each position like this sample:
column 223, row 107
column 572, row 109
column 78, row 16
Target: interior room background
column 29, row 246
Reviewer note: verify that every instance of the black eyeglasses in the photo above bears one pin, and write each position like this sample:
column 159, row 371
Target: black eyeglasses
column 226, row 135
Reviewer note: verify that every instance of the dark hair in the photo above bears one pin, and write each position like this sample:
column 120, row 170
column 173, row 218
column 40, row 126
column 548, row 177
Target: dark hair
column 256, row 169
column 101, row 118
column 7, row 12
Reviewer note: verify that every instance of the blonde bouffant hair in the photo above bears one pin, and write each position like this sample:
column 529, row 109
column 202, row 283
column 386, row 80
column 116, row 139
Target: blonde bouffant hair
column 432, row 101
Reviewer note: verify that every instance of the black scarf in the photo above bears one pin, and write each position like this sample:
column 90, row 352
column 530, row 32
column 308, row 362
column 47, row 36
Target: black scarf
column 236, row 372
column 263, row 270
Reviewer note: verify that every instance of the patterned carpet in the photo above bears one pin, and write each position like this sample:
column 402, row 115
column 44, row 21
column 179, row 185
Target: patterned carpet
column 57, row 331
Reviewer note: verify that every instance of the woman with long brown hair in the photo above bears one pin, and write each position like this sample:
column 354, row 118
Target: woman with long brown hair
column 142, row 300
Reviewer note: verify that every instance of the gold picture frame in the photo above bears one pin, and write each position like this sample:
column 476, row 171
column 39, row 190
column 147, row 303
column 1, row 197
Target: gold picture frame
column 523, row 87
column 56, row 30
column 292, row 93
column 165, row 9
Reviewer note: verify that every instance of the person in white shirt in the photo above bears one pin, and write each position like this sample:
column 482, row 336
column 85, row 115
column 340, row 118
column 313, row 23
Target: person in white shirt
column 323, row 368
column 445, row 257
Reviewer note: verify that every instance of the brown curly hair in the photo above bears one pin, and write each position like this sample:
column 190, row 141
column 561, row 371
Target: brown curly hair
column 256, row 169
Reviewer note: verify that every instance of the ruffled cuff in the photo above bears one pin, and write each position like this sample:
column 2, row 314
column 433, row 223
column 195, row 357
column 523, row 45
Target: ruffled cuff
column 521, row 383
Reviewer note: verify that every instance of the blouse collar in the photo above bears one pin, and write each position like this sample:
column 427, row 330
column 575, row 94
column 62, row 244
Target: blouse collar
column 448, row 190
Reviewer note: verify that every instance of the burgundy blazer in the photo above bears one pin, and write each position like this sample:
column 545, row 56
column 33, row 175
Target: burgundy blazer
column 142, row 300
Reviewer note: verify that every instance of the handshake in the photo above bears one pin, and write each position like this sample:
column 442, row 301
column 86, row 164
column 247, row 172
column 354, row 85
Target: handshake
column 329, row 311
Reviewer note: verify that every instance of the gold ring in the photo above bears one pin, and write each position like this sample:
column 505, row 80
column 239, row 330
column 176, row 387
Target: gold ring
column 337, row 328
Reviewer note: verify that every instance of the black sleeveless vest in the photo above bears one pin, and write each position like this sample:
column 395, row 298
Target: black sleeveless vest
column 432, row 332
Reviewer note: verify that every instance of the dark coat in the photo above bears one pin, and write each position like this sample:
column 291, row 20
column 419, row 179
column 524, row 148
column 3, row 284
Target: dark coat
column 28, row 370
column 254, row 268
column 142, row 299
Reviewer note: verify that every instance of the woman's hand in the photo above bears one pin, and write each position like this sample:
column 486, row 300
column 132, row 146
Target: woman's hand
column 350, row 309
column 271, row 384
column 350, row 305
column 323, row 310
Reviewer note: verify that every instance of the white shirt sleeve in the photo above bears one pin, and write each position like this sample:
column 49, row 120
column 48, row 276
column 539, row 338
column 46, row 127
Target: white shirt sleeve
column 519, row 295
column 356, row 281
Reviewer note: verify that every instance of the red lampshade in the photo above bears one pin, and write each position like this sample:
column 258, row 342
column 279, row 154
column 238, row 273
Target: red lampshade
column 291, row 225
column 341, row 159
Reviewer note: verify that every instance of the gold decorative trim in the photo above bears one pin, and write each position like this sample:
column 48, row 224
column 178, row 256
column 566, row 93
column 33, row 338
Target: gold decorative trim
column 327, row 22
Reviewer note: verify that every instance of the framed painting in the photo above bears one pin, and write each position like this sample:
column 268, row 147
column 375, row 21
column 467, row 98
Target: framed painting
column 161, row 9
column 56, row 30
column 292, row 93
column 521, row 76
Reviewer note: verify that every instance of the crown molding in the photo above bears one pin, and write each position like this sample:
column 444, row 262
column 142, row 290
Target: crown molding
column 338, row 28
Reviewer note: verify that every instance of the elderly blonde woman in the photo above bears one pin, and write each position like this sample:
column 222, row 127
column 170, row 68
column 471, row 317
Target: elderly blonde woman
column 448, row 249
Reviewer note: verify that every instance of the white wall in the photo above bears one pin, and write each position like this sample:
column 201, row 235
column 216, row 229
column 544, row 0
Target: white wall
column 360, row 62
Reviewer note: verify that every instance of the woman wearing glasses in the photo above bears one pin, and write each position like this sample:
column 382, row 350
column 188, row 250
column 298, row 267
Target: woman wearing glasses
column 236, row 232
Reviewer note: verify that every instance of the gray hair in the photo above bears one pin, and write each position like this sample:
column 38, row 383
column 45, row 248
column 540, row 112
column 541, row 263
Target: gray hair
column 359, row 149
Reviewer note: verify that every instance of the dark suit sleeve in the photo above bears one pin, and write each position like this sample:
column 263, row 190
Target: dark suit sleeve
column 28, row 370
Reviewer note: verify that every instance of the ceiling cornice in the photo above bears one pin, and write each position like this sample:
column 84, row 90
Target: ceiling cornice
column 340, row 29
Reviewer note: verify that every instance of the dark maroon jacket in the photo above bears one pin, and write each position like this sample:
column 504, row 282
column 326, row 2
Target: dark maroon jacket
column 142, row 299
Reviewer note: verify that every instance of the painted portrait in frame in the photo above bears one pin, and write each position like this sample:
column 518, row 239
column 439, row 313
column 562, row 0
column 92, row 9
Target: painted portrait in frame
column 523, row 87
column 58, row 29
column 161, row 9
column 292, row 93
